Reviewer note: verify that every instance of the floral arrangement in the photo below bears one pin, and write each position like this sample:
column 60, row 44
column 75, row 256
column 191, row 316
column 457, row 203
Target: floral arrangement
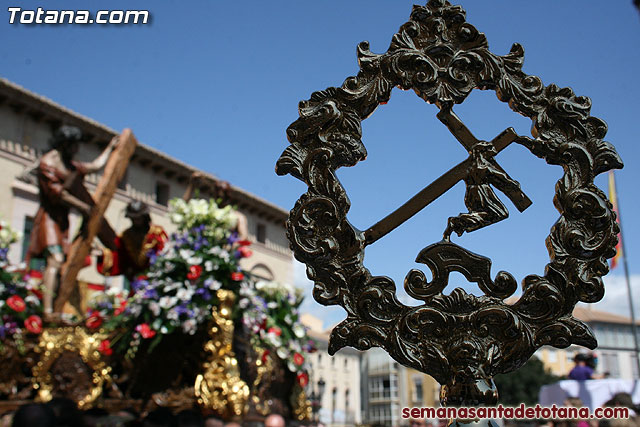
column 178, row 291
column 270, row 311
column 20, row 295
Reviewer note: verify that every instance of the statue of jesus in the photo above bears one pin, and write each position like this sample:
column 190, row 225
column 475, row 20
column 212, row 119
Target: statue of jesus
column 60, row 181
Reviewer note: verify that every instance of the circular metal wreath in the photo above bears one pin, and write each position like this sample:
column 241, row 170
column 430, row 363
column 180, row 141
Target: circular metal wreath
column 456, row 338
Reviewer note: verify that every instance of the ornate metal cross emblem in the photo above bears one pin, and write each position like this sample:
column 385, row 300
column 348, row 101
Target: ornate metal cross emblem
column 462, row 340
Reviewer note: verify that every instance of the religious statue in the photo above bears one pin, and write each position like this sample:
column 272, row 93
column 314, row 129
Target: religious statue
column 60, row 181
column 134, row 246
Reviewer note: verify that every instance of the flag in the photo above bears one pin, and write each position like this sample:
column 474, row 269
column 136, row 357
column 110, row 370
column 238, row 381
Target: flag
column 614, row 201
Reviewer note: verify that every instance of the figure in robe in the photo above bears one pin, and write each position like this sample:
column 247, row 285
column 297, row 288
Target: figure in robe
column 143, row 240
column 60, row 181
column 134, row 246
column 485, row 208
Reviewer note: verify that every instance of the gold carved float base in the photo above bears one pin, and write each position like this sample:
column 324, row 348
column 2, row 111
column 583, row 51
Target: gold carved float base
column 66, row 362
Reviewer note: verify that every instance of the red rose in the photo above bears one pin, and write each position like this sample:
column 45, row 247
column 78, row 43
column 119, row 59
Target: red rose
column 16, row 303
column 245, row 252
column 34, row 274
column 156, row 240
column 194, row 272
column 298, row 359
column 303, row 379
column 105, row 348
column 265, row 354
column 33, row 324
column 36, row 292
column 118, row 311
column 274, row 330
column 237, row 276
column 94, row 320
column 145, row 330
column 244, row 242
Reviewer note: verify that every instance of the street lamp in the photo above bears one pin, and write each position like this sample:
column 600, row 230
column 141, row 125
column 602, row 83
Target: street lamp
column 316, row 399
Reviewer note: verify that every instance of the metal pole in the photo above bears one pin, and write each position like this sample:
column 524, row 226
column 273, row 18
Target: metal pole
column 626, row 274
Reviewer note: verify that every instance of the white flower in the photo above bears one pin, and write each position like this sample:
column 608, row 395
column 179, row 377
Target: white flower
column 208, row 265
column 298, row 330
column 184, row 294
column 272, row 304
column 155, row 308
column 213, row 284
column 195, row 260
column 189, row 326
column 32, row 299
column 167, row 302
column 172, row 315
column 163, row 330
column 135, row 310
column 171, row 286
column 186, row 253
column 177, row 218
column 282, row 353
column 1, row 303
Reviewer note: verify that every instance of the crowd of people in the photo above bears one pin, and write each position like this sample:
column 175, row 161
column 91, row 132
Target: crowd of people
column 61, row 412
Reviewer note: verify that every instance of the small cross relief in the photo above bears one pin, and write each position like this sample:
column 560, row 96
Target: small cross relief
column 479, row 172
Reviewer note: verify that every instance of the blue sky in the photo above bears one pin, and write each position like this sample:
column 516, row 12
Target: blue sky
column 216, row 83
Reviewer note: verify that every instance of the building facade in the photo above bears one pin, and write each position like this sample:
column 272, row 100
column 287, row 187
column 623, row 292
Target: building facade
column 615, row 352
column 388, row 386
column 340, row 404
column 27, row 121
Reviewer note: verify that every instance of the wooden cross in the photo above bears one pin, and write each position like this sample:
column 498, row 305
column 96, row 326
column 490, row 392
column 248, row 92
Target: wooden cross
column 445, row 182
column 113, row 173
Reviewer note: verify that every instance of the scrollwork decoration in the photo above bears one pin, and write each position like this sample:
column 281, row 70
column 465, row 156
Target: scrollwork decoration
column 460, row 339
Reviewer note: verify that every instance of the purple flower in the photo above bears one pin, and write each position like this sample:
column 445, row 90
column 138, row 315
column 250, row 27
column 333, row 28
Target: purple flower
column 2, row 332
column 233, row 238
column 136, row 285
column 105, row 305
column 151, row 293
column 204, row 293
column 151, row 254
column 182, row 309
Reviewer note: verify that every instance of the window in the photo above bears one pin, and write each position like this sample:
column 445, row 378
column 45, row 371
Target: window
column 610, row 364
column 26, row 233
column 346, row 400
column 334, row 394
column 162, row 193
column 261, row 271
column 261, row 233
column 417, row 390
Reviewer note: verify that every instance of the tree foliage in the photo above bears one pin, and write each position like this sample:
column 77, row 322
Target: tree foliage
column 523, row 385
